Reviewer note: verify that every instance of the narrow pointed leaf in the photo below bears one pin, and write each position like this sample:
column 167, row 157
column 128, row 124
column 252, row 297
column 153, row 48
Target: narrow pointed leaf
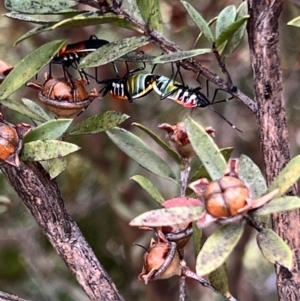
column 135, row 148
column 39, row 6
column 279, row 205
column 217, row 248
column 200, row 22
column 22, row 109
column 167, row 217
column 205, row 149
column 197, row 237
column 202, row 172
column 225, row 18
column 98, row 123
column 112, row 51
column 137, row 57
column 45, row 150
column 32, row 32
column 238, row 35
column 230, row 31
column 50, row 130
column 209, row 23
column 28, row 67
column 287, row 177
column 149, row 188
column 250, row 173
column 161, row 143
column 151, row 14
column 178, row 56
column 94, row 18
column 35, row 108
column 219, row 280
column 28, row 18
column 295, row 22
column 56, row 166
column 274, row 248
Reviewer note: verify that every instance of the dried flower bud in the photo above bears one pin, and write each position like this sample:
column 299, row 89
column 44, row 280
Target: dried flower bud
column 179, row 139
column 161, row 261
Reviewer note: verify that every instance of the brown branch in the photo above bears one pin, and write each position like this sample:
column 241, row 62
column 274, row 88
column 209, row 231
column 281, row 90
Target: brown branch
column 8, row 297
column 42, row 198
column 263, row 33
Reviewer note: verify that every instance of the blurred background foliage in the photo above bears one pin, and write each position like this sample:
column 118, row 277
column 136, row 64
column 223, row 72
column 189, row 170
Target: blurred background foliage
column 97, row 188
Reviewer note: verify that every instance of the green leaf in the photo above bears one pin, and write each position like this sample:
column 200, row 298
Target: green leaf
column 212, row 21
column 45, row 150
column 218, row 247
column 149, row 188
column 35, row 108
column 110, row 52
column 238, row 35
column 39, row 6
column 219, row 280
column 250, row 173
column 151, row 14
column 178, row 56
column 167, row 217
column 274, row 248
column 197, row 236
column 206, row 149
column 279, row 205
column 230, row 31
column 56, row 166
column 94, row 18
column 98, row 123
column 295, row 22
column 161, row 143
column 202, row 172
column 225, row 19
column 200, row 22
column 34, row 31
column 136, row 149
column 22, row 109
column 287, row 177
column 136, row 57
column 28, row 18
column 28, row 67
column 50, row 130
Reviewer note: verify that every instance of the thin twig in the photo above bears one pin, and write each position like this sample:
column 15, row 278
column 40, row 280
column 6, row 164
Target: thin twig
column 8, row 297
column 188, row 273
column 182, row 288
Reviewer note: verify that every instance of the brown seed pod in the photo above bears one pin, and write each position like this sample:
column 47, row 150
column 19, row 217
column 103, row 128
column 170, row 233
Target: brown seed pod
column 63, row 98
column 11, row 140
column 224, row 197
column 161, row 261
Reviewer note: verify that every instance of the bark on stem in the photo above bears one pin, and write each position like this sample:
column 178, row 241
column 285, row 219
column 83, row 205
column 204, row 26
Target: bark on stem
column 42, row 198
column 263, row 33
column 8, row 297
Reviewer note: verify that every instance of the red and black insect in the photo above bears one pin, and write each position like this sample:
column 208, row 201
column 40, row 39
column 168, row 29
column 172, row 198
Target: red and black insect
column 71, row 54
column 184, row 95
